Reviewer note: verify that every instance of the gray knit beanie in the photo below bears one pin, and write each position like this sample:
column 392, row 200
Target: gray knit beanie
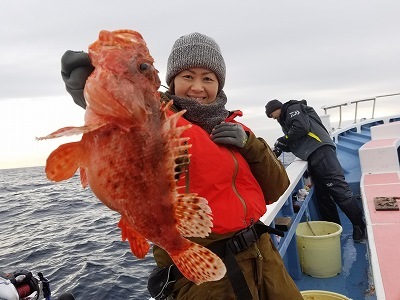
column 272, row 106
column 196, row 50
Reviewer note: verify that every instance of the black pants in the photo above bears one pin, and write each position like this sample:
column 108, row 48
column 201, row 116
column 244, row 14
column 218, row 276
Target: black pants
column 331, row 187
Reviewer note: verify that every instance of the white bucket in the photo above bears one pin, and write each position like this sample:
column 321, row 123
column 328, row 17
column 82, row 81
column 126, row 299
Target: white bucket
column 320, row 254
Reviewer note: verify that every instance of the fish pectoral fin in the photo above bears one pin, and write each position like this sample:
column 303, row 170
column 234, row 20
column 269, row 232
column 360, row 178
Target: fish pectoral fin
column 139, row 245
column 193, row 215
column 63, row 162
column 66, row 131
column 199, row 264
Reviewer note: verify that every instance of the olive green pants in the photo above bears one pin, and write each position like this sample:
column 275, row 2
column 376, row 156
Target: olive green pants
column 265, row 273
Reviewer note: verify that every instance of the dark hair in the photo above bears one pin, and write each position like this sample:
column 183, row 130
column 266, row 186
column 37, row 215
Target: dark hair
column 171, row 88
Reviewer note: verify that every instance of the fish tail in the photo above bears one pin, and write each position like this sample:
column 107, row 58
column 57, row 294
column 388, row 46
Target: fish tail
column 63, row 162
column 199, row 264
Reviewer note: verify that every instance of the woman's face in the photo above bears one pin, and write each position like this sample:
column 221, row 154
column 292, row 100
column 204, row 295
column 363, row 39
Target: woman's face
column 198, row 84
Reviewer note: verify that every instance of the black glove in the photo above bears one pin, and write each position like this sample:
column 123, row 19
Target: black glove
column 277, row 151
column 75, row 70
column 229, row 133
column 281, row 143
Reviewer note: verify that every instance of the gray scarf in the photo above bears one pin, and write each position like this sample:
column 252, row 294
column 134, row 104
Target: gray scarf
column 204, row 115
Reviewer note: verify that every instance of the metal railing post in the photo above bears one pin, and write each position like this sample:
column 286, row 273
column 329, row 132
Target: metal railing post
column 325, row 108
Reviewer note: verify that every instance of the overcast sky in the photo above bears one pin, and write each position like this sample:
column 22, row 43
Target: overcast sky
column 325, row 51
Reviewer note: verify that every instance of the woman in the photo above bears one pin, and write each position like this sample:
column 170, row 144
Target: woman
column 229, row 166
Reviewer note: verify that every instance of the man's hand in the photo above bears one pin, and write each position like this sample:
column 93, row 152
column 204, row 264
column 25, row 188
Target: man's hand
column 281, row 144
column 229, row 134
column 277, row 151
column 75, row 70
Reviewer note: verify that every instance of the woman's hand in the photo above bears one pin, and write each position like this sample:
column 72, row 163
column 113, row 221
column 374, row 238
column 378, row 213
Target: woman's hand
column 229, row 134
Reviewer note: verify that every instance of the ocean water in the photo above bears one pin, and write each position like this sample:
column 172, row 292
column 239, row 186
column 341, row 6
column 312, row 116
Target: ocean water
column 65, row 232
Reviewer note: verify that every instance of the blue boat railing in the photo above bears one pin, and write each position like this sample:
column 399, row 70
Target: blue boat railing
column 286, row 245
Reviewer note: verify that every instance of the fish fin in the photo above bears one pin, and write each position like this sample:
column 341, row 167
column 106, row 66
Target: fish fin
column 199, row 264
column 83, row 175
column 63, row 162
column 67, row 131
column 102, row 102
column 172, row 132
column 139, row 245
column 169, row 125
column 193, row 215
column 192, row 212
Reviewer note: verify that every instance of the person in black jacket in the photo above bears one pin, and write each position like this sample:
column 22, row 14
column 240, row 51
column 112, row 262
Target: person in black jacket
column 307, row 138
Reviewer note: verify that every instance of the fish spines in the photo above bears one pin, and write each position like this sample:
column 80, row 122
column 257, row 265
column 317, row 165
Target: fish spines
column 177, row 146
column 193, row 215
column 171, row 120
column 199, row 264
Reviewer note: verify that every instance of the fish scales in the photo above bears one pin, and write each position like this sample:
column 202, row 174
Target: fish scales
column 127, row 156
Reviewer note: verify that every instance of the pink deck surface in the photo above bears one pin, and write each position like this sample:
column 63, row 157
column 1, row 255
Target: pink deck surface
column 386, row 229
column 387, row 246
column 374, row 179
column 379, row 143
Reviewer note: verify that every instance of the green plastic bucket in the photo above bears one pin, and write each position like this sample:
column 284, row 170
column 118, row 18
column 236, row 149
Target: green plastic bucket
column 320, row 254
column 322, row 295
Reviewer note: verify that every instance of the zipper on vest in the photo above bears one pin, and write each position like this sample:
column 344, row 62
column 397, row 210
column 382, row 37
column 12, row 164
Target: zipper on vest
column 259, row 255
column 234, row 186
column 259, row 265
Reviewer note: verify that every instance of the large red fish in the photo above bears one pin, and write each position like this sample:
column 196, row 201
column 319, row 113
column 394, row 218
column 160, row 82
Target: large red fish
column 127, row 156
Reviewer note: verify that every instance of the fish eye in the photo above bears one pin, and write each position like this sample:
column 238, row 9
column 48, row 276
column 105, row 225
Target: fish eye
column 144, row 66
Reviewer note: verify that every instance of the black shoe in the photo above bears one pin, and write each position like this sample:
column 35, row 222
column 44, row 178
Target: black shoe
column 358, row 233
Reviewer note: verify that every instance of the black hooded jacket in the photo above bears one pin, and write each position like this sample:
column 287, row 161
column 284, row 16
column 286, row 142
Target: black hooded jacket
column 303, row 128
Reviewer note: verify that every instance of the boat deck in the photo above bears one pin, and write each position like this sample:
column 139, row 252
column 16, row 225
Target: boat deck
column 358, row 278
column 350, row 282
column 380, row 181
column 383, row 231
column 356, row 256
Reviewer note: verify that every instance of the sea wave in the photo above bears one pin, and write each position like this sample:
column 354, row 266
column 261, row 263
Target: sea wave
column 63, row 231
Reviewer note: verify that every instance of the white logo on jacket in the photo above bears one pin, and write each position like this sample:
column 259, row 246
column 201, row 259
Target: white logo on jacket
column 294, row 113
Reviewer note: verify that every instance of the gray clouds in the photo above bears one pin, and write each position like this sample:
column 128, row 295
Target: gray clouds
column 286, row 49
column 327, row 51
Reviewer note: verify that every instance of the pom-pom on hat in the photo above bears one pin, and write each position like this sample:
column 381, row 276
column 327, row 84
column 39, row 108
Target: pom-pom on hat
column 196, row 50
column 272, row 106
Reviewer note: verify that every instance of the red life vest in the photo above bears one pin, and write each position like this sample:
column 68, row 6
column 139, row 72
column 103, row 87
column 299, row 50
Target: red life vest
column 220, row 174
